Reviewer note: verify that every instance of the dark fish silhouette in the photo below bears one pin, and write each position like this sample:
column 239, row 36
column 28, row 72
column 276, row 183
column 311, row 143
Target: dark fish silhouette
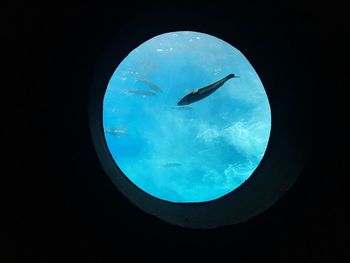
column 116, row 131
column 150, row 84
column 201, row 93
column 140, row 92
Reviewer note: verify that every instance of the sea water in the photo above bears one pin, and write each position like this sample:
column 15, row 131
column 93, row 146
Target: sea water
column 194, row 153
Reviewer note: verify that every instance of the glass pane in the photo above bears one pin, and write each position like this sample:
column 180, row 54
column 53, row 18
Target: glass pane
column 178, row 125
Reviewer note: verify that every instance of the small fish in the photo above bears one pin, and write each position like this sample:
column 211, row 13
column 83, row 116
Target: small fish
column 150, row 84
column 140, row 92
column 116, row 131
column 174, row 164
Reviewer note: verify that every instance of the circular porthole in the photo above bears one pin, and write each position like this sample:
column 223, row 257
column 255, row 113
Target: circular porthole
column 186, row 117
column 181, row 124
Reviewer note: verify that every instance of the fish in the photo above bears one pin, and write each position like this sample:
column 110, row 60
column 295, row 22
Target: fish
column 201, row 93
column 140, row 92
column 150, row 84
column 116, row 131
column 171, row 164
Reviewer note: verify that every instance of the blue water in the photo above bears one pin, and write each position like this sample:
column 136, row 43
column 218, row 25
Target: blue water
column 194, row 153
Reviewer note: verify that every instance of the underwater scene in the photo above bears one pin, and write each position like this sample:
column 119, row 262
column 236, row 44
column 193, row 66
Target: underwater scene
column 186, row 117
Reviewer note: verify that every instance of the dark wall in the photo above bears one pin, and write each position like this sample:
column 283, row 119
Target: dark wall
column 63, row 207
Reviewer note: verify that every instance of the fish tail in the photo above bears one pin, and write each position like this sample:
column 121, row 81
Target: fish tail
column 230, row 76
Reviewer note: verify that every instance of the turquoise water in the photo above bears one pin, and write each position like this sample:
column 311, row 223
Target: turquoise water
column 194, row 153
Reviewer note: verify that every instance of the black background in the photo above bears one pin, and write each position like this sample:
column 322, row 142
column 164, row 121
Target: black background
column 60, row 204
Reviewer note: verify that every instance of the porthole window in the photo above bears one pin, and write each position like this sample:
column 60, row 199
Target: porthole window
column 189, row 132
column 186, row 117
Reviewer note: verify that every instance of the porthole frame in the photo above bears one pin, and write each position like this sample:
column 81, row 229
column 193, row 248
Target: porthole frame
column 287, row 151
